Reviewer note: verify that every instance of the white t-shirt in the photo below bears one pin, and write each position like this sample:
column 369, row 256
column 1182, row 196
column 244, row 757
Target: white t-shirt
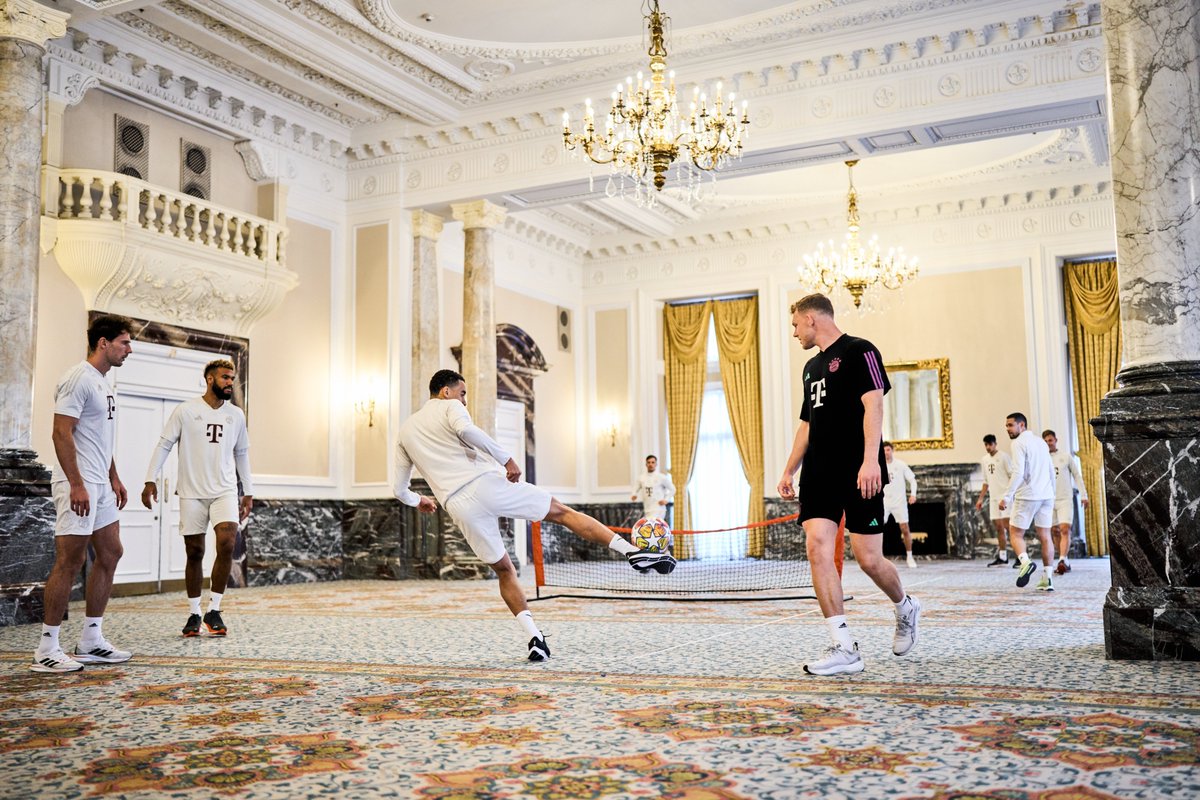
column 997, row 472
column 652, row 487
column 214, row 449
column 899, row 474
column 441, row 441
column 1067, row 475
column 85, row 394
column 1033, row 474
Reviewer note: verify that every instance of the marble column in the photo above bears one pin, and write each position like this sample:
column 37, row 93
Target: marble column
column 426, row 229
column 26, row 513
column 1150, row 425
column 479, row 325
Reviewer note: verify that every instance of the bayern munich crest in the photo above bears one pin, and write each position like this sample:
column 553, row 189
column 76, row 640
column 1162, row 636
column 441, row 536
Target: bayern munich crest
column 834, row 364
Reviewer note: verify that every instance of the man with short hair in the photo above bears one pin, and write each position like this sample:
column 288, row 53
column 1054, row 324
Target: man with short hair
column 997, row 472
column 88, row 496
column 441, row 441
column 214, row 453
column 1067, row 478
column 655, row 490
column 895, row 503
column 839, row 441
column 1030, row 495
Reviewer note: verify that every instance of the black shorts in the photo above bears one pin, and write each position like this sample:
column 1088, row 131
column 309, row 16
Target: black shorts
column 830, row 494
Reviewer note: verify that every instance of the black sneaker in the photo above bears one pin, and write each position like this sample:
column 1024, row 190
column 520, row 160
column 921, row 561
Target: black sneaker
column 214, row 623
column 644, row 560
column 192, row 626
column 1027, row 570
column 998, row 562
column 1016, row 563
column 538, row 649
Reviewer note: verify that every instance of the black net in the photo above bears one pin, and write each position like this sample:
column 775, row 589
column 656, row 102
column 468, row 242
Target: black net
column 757, row 562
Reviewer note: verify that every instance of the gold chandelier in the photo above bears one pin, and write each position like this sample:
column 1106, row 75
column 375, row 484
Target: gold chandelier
column 644, row 133
column 856, row 267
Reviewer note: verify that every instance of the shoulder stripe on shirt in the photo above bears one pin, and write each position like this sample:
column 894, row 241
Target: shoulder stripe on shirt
column 873, row 368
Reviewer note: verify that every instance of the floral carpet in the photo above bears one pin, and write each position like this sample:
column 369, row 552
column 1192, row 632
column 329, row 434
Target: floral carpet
column 420, row 689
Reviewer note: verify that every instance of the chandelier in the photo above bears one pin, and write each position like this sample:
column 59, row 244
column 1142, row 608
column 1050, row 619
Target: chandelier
column 856, row 267
column 643, row 133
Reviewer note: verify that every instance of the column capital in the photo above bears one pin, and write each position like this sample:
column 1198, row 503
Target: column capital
column 31, row 22
column 426, row 225
column 479, row 214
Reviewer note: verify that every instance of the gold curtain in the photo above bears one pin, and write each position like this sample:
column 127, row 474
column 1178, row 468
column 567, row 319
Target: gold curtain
column 685, row 349
column 737, row 345
column 1094, row 345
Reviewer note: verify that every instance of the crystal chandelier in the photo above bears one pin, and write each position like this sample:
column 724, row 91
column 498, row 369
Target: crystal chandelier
column 857, row 267
column 644, row 133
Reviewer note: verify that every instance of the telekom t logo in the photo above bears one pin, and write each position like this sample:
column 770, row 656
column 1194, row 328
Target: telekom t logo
column 112, row 406
column 817, row 393
column 215, row 432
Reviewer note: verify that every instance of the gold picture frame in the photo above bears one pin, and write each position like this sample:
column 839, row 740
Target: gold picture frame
column 912, row 385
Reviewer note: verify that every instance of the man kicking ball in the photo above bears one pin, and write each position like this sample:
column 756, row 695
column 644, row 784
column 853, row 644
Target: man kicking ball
column 441, row 441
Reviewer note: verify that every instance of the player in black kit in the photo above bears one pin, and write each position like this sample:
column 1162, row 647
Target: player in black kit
column 840, row 443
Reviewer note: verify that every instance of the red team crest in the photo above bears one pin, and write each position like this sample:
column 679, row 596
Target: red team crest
column 834, row 364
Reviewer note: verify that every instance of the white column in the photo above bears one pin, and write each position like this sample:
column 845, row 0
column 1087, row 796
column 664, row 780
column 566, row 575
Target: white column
column 426, row 229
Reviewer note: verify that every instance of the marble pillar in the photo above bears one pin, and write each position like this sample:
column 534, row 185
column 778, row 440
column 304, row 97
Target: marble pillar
column 479, row 326
column 26, row 511
column 426, row 229
column 1150, row 425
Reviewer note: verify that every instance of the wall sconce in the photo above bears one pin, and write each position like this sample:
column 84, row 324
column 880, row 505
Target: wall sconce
column 368, row 394
column 607, row 425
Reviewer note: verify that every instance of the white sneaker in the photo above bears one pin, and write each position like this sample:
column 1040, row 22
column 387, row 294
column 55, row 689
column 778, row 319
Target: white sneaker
column 1045, row 585
column 912, row 562
column 101, row 652
column 838, row 660
column 907, row 618
column 54, row 661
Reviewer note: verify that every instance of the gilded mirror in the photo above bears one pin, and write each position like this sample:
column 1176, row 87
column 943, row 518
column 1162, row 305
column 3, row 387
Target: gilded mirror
column 916, row 412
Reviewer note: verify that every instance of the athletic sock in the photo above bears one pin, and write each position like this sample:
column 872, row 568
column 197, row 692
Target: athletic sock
column 1002, row 555
column 92, row 633
column 840, row 632
column 531, row 628
column 194, row 605
column 900, row 605
column 49, row 641
column 620, row 545
column 1024, row 557
column 214, row 601
column 908, row 553
column 1066, row 561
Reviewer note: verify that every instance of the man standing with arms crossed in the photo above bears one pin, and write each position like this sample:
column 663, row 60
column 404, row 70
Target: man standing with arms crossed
column 997, row 472
column 88, row 496
column 839, row 441
column 1030, row 495
column 214, row 453
column 655, row 490
column 895, row 504
column 1067, row 478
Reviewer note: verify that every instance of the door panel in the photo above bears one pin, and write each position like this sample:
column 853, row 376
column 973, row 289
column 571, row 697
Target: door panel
column 139, row 422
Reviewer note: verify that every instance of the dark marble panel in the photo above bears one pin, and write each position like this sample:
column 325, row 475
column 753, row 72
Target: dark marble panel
column 378, row 541
column 950, row 484
column 294, row 541
column 1150, row 432
column 26, row 536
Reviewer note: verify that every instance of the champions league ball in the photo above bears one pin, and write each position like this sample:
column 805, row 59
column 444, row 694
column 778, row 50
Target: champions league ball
column 652, row 534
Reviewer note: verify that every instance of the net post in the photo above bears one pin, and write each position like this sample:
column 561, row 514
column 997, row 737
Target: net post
column 539, row 568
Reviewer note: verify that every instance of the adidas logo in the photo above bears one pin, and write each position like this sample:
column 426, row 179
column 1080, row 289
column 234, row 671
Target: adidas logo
column 873, row 523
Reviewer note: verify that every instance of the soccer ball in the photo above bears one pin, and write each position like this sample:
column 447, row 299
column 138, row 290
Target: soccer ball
column 652, row 534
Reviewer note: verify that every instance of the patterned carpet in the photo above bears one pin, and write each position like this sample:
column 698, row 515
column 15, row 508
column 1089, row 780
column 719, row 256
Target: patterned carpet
column 372, row 689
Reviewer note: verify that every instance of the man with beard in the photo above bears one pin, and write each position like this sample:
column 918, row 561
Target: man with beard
column 214, row 454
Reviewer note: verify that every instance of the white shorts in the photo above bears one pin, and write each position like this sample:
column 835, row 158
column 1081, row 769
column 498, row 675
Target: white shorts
column 1039, row 513
column 900, row 512
column 1064, row 512
column 478, row 506
column 196, row 513
column 994, row 512
column 102, row 509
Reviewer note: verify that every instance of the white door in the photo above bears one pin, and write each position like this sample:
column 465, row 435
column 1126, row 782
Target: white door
column 510, row 434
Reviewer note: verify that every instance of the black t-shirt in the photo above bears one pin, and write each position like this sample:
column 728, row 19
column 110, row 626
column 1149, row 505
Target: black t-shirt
column 835, row 381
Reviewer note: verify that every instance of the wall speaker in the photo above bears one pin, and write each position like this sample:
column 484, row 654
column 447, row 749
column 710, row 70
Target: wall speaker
column 195, row 169
column 131, row 148
column 564, row 329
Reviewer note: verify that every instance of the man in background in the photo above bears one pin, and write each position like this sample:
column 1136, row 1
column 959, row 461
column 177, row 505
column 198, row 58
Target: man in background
column 997, row 472
column 895, row 503
column 1030, row 495
column 1067, row 478
column 655, row 490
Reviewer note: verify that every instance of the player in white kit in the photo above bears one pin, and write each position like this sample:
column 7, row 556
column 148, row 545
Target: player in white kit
column 1030, row 495
column 895, row 502
column 1067, row 478
column 214, row 453
column 449, row 450
column 88, row 495
column 655, row 490
column 997, row 472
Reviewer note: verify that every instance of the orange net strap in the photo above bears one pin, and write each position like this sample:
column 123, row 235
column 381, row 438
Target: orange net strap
column 763, row 524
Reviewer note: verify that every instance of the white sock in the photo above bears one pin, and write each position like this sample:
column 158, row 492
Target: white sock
column 1024, row 557
column 1002, row 554
column 214, row 601
column 1066, row 561
column 899, row 606
column 621, row 546
column 531, row 628
column 840, row 632
column 91, row 630
column 909, row 553
column 194, row 605
column 49, row 641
